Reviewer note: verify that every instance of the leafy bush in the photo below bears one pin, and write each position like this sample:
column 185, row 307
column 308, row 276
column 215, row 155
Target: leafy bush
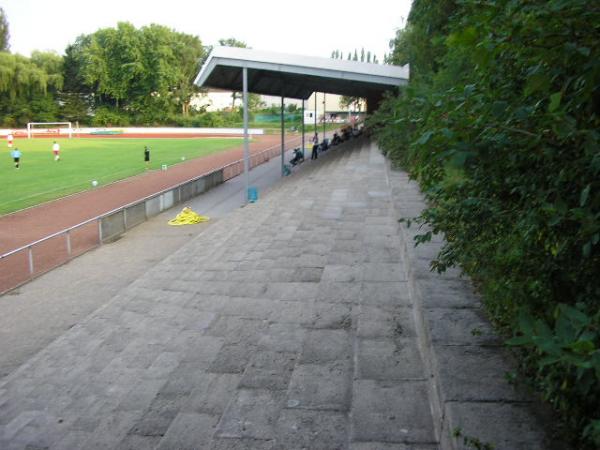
column 106, row 117
column 502, row 133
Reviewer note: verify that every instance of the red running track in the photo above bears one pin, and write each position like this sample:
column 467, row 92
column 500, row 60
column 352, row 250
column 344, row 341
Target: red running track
column 29, row 225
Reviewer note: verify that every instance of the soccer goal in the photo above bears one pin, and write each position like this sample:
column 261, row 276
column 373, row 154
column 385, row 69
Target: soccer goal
column 49, row 129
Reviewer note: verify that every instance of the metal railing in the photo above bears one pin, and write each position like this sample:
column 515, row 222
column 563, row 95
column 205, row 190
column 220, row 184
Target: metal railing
column 36, row 258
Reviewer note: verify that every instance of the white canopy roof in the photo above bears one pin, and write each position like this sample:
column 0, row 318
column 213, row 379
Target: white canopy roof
column 294, row 76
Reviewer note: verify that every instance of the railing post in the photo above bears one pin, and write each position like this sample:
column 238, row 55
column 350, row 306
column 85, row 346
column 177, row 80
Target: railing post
column 69, row 243
column 30, row 253
column 99, row 231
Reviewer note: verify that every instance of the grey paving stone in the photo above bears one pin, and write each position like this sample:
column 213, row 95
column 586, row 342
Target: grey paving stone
column 158, row 417
column 292, row 291
column 474, row 373
column 207, row 302
column 241, row 444
column 506, row 426
column 189, row 431
column 212, row 396
column 333, row 292
column 254, row 308
column 438, row 293
column 282, row 337
column 72, row 441
column 390, row 322
column 292, row 312
column 332, row 316
column 326, row 345
column 321, row 386
column 460, row 326
column 342, row 273
column 187, row 376
column 390, row 253
column 43, row 430
column 386, row 446
column 391, row 294
column 316, row 430
column 378, row 416
column 252, row 413
column 384, row 272
column 269, row 370
column 134, row 442
column 236, row 329
column 213, row 288
column 299, row 274
column 389, row 360
column 232, row 358
column 345, row 258
column 140, row 396
column 111, row 430
column 347, row 246
column 163, row 365
column 251, row 289
column 192, row 346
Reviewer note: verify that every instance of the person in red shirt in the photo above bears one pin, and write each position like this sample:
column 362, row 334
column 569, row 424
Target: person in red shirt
column 56, row 151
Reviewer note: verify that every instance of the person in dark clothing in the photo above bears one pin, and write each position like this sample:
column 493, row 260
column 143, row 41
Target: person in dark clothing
column 147, row 156
column 315, row 152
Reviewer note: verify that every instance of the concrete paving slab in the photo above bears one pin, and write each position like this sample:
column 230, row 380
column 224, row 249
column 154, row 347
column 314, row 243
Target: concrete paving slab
column 294, row 322
column 378, row 416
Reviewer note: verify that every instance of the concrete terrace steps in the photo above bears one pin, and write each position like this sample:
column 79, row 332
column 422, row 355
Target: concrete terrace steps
column 296, row 322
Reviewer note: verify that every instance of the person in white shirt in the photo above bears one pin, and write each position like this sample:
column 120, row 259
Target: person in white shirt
column 56, row 151
column 9, row 139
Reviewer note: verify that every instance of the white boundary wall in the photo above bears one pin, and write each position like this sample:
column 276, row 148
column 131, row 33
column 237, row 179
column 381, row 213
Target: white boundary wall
column 21, row 132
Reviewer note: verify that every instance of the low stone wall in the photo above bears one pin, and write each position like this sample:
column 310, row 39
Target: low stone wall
column 119, row 221
column 470, row 397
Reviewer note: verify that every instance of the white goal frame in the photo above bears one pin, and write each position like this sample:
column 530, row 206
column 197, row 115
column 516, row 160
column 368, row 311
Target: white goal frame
column 31, row 127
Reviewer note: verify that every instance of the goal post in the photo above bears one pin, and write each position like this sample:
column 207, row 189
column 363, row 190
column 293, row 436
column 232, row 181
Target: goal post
column 49, row 129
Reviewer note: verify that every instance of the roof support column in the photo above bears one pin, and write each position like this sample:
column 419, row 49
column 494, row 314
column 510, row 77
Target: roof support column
column 282, row 136
column 316, row 138
column 324, row 116
column 303, row 146
column 246, row 140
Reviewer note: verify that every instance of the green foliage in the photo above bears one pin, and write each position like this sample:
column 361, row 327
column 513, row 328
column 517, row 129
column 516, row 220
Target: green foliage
column 146, row 74
column 500, row 126
column 4, row 34
column 232, row 42
column 108, row 117
column 28, row 87
column 114, row 76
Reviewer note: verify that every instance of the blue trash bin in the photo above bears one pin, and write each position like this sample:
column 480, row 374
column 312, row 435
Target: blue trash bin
column 252, row 194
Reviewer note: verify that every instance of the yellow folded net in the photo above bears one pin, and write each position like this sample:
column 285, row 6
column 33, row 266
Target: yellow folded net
column 187, row 217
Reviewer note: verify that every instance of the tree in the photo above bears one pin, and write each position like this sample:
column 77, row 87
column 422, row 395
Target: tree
column 232, row 42
column 146, row 74
column 23, row 89
column 254, row 101
column 4, row 34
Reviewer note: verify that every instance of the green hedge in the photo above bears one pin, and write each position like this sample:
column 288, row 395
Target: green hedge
column 501, row 129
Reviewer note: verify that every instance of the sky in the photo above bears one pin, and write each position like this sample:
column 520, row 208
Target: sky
column 309, row 27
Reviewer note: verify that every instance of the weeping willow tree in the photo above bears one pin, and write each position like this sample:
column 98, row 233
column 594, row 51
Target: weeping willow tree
column 28, row 87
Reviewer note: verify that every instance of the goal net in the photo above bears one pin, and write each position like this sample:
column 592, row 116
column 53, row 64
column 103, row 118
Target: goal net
column 48, row 129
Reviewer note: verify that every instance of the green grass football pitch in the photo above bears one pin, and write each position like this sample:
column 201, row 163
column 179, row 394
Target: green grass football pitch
column 82, row 160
